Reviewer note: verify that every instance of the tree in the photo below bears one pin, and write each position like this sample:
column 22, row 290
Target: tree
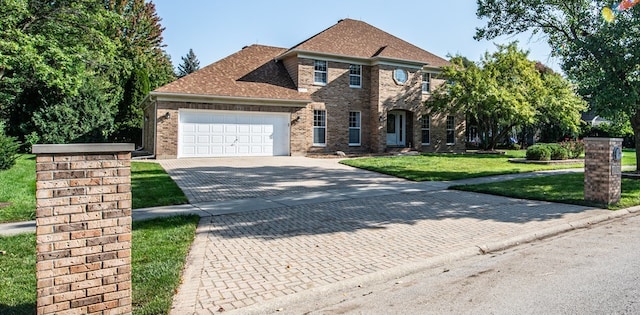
column 49, row 52
column 602, row 58
column 190, row 64
column 505, row 91
column 144, row 65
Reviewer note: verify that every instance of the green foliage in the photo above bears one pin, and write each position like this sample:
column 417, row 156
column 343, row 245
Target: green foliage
column 574, row 148
column 74, row 71
column 190, row 64
column 8, row 150
column 603, row 59
column 539, row 152
column 552, row 151
column 506, row 91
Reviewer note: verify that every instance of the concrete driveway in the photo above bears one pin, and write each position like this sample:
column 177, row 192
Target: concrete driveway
column 303, row 227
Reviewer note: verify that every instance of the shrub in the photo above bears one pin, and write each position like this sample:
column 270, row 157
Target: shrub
column 539, row 152
column 558, row 152
column 8, row 150
column 574, row 148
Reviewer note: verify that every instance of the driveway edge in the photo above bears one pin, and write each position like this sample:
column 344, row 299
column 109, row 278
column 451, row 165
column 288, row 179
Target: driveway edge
column 317, row 294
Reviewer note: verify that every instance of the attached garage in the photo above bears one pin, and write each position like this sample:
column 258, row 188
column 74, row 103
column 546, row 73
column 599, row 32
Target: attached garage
column 212, row 133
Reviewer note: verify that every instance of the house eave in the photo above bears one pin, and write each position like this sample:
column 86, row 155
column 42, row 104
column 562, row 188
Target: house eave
column 220, row 99
column 378, row 60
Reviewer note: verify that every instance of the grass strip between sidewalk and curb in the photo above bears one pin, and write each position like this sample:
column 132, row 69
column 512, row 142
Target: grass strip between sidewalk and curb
column 151, row 186
column 159, row 251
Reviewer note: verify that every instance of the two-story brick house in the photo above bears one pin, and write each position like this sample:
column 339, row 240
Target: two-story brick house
column 351, row 88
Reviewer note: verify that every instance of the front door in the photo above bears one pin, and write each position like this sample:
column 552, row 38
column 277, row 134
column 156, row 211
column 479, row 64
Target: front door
column 396, row 128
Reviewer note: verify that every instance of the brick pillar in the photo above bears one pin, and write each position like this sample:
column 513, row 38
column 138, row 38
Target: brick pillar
column 83, row 228
column 602, row 170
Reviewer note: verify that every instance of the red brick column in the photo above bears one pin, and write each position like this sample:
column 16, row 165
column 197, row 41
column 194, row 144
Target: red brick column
column 602, row 170
column 83, row 228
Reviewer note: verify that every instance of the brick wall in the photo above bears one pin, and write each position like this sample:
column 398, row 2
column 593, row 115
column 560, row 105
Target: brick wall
column 602, row 172
column 83, row 228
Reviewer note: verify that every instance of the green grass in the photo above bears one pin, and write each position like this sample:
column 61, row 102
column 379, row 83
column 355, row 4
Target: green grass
column 158, row 254
column 151, row 186
column 444, row 167
column 565, row 188
column 18, row 187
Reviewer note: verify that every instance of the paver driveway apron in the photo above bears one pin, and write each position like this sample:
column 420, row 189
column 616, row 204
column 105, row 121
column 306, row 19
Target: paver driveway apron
column 372, row 224
column 222, row 179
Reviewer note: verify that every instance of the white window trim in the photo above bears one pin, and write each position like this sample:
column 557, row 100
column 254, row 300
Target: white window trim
column 428, row 117
column 355, row 75
column 423, row 81
column 454, row 130
column 326, row 72
column 359, row 128
column 318, row 127
column 395, row 79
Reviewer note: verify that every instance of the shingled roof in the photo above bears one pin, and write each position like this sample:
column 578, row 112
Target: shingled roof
column 353, row 38
column 251, row 72
column 254, row 71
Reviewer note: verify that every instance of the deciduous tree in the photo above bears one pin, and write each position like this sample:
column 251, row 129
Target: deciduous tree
column 506, row 91
column 602, row 58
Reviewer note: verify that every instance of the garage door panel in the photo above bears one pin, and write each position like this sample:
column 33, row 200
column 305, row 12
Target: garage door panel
column 218, row 133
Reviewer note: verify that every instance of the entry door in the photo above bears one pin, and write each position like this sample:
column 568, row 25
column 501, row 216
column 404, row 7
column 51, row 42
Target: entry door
column 396, row 128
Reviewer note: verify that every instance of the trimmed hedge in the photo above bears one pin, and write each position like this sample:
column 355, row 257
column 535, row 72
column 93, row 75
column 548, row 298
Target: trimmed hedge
column 554, row 151
column 538, row 152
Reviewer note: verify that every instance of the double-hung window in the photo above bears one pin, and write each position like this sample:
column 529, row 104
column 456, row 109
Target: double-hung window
column 426, row 82
column 319, row 128
column 451, row 130
column 425, row 126
column 320, row 72
column 355, row 76
column 354, row 128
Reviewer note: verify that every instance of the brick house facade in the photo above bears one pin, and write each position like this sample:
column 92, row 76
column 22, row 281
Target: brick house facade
column 351, row 88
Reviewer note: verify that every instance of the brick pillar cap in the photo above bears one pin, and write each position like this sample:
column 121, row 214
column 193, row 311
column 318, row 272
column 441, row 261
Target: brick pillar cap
column 82, row 148
column 601, row 139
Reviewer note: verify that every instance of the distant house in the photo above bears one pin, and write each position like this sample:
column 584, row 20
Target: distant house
column 351, row 87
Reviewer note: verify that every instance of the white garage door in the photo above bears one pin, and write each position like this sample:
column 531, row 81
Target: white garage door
column 227, row 133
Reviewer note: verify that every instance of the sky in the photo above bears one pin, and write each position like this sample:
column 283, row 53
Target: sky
column 215, row 29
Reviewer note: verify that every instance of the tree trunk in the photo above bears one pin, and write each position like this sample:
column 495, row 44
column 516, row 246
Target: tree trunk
column 635, row 124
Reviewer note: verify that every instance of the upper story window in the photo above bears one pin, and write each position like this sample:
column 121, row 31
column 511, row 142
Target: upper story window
column 426, row 82
column 355, row 76
column 400, row 76
column 320, row 72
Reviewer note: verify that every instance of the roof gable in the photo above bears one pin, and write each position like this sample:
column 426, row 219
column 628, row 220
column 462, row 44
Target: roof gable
column 358, row 39
column 251, row 72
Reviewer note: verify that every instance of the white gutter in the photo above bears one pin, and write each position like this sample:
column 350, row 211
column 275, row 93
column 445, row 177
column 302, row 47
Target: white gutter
column 236, row 100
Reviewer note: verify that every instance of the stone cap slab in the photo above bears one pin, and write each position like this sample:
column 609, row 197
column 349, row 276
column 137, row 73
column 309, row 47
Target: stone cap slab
column 82, row 148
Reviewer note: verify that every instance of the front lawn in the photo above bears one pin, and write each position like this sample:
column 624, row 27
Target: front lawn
column 150, row 186
column 445, row 167
column 158, row 255
column 565, row 188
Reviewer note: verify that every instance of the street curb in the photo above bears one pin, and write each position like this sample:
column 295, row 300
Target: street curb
column 314, row 295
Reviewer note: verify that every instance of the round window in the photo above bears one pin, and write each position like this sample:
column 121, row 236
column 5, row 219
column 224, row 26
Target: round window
column 400, row 75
